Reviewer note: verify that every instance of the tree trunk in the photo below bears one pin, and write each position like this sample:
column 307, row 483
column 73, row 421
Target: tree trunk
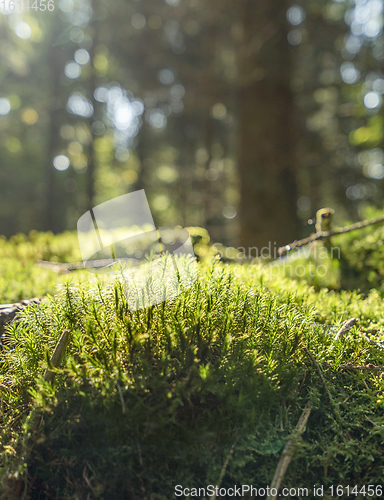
column 266, row 127
column 54, row 207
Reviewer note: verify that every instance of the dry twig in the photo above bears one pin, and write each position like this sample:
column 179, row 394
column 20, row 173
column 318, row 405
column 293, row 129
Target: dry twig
column 223, row 469
column 321, row 235
column 288, row 452
column 369, row 367
column 345, row 327
column 57, row 355
column 320, row 372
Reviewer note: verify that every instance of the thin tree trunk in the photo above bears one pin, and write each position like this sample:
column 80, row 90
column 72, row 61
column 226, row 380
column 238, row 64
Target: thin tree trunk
column 54, row 220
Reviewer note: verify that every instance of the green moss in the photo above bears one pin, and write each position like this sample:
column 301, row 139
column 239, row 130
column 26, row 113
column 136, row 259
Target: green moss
column 150, row 399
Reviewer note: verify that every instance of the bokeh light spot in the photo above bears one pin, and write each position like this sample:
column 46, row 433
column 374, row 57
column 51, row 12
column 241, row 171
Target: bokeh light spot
column 372, row 100
column 167, row 174
column 157, row 119
column 66, row 6
column 229, row 212
column 72, row 70
column 23, row 30
column 80, row 163
column 75, row 148
column 98, row 128
column 304, row 203
column 161, row 202
column 154, row 22
column 13, row 145
column 138, row 21
column 82, row 56
column 295, row 15
column 166, row 76
column 5, row 106
column 177, row 91
column 378, row 86
column 295, row 37
column 61, row 162
column 349, row 73
column 219, row 111
column 376, row 171
column 29, row 116
column 101, row 94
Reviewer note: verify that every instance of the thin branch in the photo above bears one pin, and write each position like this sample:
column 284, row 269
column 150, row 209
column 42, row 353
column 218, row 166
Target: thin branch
column 288, row 452
column 121, row 396
column 334, row 405
column 369, row 367
column 64, row 267
column 345, row 327
column 372, row 422
column 319, row 371
column 377, row 344
column 223, row 469
column 57, row 355
column 321, row 235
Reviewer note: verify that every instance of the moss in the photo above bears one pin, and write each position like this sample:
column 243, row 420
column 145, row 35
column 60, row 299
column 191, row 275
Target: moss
column 149, row 399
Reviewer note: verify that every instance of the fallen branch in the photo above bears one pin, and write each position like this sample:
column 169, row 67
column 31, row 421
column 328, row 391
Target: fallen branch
column 288, row 452
column 66, row 267
column 369, row 367
column 60, row 267
column 321, row 235
column 9, row 311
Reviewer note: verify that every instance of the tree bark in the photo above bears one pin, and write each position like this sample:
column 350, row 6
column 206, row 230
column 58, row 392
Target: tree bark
column 266, row 127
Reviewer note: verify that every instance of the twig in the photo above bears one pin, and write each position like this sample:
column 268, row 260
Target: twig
column 345, row 327
column 25, row 302
column 86, row 479
column 64, row 267
column 61, row 267
column 377, row 344
column 369, row 367
column 57, row 355
column 335, row 408
column 223, row 469
column 288, row 452
column 139, row 450
column 121, row 396
column 320, row 235
column 372, row 422
column 320, row 372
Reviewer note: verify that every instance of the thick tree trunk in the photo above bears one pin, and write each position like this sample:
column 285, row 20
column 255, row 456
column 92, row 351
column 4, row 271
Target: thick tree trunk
column 266, row 127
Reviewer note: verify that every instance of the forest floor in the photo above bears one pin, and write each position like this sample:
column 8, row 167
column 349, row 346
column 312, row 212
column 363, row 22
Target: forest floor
column 206, row 388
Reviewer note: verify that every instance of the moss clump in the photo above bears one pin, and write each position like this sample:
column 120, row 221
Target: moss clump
column 150, row 399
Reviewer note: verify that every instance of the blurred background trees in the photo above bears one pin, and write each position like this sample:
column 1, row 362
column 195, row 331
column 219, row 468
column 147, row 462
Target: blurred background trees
column 243, row 117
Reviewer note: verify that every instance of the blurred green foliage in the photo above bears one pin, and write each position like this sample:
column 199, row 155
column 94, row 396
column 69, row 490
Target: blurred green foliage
column 146, row 95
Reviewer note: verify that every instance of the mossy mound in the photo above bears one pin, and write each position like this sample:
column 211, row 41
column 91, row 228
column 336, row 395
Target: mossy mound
column 166, row 395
